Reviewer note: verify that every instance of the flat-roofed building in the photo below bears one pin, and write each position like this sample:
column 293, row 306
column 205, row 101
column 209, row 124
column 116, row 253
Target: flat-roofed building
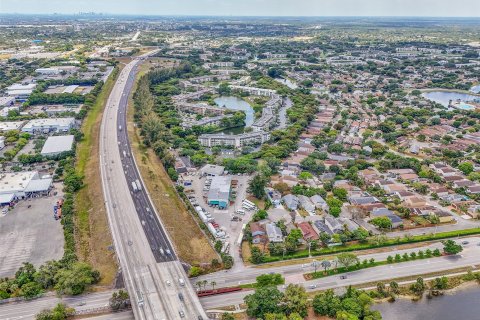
column 10, row 125
column 57, row 144
column 237, row 141
column 15, row 185
column 49, row 125
column 219, row 193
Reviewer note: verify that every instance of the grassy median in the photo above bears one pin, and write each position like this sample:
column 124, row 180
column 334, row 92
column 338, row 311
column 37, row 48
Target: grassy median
column 92, row 231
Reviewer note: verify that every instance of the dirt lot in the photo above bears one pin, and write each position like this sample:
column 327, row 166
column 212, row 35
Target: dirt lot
column 190, row 243
column 30, row 234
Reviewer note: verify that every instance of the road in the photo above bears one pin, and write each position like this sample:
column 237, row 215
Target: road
column 28, row 309
column 249, row 274
column 469, row 257
column 152, row 273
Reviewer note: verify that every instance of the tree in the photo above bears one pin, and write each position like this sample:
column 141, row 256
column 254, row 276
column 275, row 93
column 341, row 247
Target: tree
column 119, row 300
column 213, row 284
column 451, row 247
column 466, row 167
column 394, row 287
column 340, row 193
column 25, row 274
column 381, row 222
column 295, row 300
column 74, row 280
column 347, row 259
column 440, row 283
column 325, row 238
column 264, row 300
column 30, row 290
column 194, row 271
column 266, row 280
column 326, row 303
column 60, row 312
column 418, row 287
column 257, row 186
column 326, row 264
column 257, row 256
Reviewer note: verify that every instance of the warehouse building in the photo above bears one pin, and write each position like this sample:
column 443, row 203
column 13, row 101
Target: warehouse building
column 21, row 185
column 10, row 125
column 49, row 125
column 57, row 144
column 219, row 193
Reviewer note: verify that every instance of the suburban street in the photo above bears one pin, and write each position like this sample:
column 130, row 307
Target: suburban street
column 153, row 277
column 469, row 257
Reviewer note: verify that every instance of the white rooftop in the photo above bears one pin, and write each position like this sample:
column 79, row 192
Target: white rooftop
column 13, row 182
column 57, row 144
column 10, row 125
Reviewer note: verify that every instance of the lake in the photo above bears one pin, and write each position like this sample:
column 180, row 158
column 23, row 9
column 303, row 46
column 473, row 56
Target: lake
column 462, row 304
column 235, row 103
column 443, row 97
column 475, row 89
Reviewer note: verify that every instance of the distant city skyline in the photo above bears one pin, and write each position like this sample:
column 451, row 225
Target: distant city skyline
column 420, row 8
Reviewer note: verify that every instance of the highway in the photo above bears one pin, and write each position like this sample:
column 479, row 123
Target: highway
column 470, row 256
column 153, row 275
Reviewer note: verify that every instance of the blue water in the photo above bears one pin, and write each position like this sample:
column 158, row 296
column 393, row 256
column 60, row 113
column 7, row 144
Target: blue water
column 444, row 97
column 235, row 103
column 461, row 305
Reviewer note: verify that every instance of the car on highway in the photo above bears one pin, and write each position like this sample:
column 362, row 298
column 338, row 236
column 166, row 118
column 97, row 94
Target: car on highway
column 168, row 251
column 343, row 277
column 161, row 251
column 181, row 313
column 465, row 242
column 180, row 296
column 82, row 303
column 168, row 283
column 181, row 282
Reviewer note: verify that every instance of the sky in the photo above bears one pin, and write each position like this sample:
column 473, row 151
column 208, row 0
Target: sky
column 425, row 8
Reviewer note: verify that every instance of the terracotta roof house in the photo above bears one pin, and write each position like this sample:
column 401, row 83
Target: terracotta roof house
column 307, row 231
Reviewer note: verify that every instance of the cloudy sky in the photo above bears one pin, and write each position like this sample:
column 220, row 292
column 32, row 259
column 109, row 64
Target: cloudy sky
column 442, row 8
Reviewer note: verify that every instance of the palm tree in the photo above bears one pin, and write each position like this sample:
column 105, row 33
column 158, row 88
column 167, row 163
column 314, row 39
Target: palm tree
column 204, row 282
column 199, row 285
column 213, row 284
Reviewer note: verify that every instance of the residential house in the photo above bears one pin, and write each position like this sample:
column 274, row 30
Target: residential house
column 291, row 201
column 319, row 202
column 333, row 224
column 308, row 232
column 258, row 233
column 274, row 233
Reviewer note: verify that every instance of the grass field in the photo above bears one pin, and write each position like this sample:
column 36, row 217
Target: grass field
column 190, row 243
column 92, row 230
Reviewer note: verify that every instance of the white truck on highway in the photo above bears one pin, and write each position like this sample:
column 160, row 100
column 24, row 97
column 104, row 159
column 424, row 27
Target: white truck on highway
column 139, row 185
column 134, row 186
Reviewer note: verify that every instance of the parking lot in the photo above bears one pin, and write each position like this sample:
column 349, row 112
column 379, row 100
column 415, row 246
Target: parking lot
column 228, row 220
column 30, row 234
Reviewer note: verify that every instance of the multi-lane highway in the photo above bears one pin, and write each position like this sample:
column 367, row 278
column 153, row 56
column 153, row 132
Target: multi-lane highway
column 153, row 275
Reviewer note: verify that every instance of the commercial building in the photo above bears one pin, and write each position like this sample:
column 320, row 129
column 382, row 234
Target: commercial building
column 219, row 193
column 212, row 170
column 49, row 125
column 7, row 101
column 10, row 125
column 48, row 71
column 21, row 92
column 57, row 144
column 237, row 141
column 19, row 185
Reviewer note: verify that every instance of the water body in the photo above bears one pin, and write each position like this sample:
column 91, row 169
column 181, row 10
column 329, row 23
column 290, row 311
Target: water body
column 234, row 103
column 443, row 97
column 462, row 304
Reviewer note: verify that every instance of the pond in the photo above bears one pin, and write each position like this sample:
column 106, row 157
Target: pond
column 235, row 103
column 444, row 97
column 462, row 304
